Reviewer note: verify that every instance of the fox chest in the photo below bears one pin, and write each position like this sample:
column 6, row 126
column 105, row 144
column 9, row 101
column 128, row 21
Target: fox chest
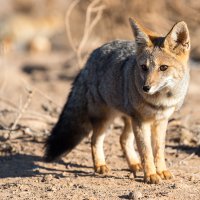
column 149, row 113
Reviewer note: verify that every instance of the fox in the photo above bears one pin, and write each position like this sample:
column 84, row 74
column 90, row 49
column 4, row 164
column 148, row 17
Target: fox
column 143, row 81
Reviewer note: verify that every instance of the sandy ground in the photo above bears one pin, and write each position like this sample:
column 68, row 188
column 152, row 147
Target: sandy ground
column 23, row 174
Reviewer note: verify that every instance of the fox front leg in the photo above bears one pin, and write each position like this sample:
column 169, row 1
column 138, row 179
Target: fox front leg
column 158, row 139
column 142, row 131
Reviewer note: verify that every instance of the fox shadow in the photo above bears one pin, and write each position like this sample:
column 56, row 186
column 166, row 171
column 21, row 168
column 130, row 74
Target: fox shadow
column 22, row 165
column 187, row 149
column 80, row 170
column 18, row 165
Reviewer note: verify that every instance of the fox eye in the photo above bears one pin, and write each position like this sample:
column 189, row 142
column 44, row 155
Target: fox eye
column 163, row 67
column 144, row 68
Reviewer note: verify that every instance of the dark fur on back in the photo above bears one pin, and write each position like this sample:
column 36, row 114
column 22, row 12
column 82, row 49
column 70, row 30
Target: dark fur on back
column 73, row 124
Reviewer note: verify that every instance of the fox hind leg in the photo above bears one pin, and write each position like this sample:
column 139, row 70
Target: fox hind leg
column 127, row 145
column 99, row 128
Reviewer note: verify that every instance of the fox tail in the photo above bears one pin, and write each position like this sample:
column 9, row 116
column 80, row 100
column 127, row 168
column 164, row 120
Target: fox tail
column 72, row 126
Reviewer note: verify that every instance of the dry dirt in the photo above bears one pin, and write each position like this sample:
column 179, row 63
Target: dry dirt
column 24, row 175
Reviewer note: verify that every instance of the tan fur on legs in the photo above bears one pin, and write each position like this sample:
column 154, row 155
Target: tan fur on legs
column 127, row 144
column 158, row 140
column 142, row 131
column 97, row 146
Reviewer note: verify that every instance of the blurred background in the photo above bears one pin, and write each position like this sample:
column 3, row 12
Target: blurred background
column 41, row 25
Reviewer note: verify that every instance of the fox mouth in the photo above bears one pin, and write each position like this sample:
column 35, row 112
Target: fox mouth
column 154, row 90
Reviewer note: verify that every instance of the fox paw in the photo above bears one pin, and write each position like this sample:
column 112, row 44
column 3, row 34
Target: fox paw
column 166, row 174
column 152, row 179
column 135, row 168
column 102, row 169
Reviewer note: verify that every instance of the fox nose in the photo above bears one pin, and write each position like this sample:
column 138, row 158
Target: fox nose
column 146, row 88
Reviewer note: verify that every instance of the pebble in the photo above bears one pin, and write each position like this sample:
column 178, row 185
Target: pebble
column 191, row 178
column 131, row 176
column 47, row 178
column 70, row 184
column 135, row 195
column 68, row 166
column 64, row 174
column 50, row 189
column 174, row 186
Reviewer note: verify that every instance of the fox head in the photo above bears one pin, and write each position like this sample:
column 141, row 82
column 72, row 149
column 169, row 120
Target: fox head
column 161, row 60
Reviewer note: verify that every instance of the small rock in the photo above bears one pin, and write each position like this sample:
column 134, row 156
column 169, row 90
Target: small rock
column 47, row 178
column 57, row 176
column 164, row 193
column 131, row 176
column 70, row 184
column 64, row 174
column 174, row 186
column 135, row 195
column 191, row 178
column 68, row 166
column 51, row 188
column 37, row 170
column 28, row 131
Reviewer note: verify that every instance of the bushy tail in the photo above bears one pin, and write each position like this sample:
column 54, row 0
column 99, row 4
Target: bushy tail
column 73, row 124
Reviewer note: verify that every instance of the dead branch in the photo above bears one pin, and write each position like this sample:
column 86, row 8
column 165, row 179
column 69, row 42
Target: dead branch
column 67, row 23
column 30, row 115
column 186, row 158
column 30, row 112
column 43, row 120
column 42, row 94
column 47, row 118
column 3, row 53
column 21, row 112
column 92, row 9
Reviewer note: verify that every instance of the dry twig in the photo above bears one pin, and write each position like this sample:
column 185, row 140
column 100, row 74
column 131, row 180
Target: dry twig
column 187, row 158
column 92, row 9
column 42, row 120
column 41, row 93
column 67, row 23
column 21, row 112
column 46, row 97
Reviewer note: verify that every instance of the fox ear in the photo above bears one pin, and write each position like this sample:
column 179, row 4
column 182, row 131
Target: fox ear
column 141, row 37
column 178, row 39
